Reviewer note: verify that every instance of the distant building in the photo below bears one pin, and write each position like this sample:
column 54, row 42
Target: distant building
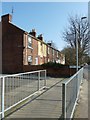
column 21, row 48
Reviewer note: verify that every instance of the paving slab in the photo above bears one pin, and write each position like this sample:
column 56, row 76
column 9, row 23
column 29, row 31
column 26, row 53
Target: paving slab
column 81, row 110
column 47, row 105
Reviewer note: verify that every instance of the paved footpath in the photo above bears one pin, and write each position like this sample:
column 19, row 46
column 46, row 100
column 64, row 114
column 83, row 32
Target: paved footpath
column 47, row 105
column 82, row 106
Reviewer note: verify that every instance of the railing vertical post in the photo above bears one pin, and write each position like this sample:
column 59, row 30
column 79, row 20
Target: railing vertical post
column 77, row 86
column 3, row 88
column 64, row 101
column 82, row 74
column 45, row 79
column 75, row 81
column 39, row 80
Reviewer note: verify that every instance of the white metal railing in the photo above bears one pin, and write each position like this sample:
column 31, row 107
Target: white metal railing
column 1, row 79
column 19, row 87
column 70, row 93
column 86, row 71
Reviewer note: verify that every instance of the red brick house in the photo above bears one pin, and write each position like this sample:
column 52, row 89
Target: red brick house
column 21, row 48
column 12, row 46
column 17, row 47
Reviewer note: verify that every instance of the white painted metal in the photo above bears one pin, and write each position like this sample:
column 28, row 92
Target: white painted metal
column 75, row 81
column 17, row 88
column 3, row 88
column 38, row 80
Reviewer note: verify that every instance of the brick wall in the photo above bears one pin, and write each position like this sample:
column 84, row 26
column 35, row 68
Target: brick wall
column 52, row 71
column 12, row 48
column 50, row 54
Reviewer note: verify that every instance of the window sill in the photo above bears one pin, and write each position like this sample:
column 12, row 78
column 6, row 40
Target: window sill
column 30, row 48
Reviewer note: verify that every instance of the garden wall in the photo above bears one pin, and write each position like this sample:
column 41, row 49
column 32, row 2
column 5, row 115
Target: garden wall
column 64, row 71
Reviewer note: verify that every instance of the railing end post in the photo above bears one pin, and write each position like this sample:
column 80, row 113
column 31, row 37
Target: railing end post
column 2, row 101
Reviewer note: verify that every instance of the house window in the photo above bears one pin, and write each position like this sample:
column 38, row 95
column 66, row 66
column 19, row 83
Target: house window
column 57, row 53
column 36, row 61
column 48, row 60
column 48, row 50
column 53, row 52
column 29, row 42
column 41, row 43
column 29, row 59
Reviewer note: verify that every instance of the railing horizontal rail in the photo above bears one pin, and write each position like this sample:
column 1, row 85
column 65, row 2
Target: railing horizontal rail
column 70, row 93
column 66, row 82
column 19, row 87
column 23, row 73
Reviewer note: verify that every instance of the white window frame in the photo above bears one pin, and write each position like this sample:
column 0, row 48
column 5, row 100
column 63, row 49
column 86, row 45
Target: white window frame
column 29, row 42
column 48, row 60
column 36, row 61
column 29, row 59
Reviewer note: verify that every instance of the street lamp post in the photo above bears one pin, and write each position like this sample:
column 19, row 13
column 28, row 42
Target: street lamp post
column 77, row 45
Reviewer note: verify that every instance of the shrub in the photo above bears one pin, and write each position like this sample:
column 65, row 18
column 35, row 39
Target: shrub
column 53, row 64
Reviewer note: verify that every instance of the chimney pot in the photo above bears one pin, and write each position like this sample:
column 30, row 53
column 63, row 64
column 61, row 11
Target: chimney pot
column 49, row 43
column 40, row 37
column 33, row 32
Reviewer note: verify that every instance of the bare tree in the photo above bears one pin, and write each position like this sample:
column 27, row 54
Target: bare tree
column 77, row 29
column 69, row 55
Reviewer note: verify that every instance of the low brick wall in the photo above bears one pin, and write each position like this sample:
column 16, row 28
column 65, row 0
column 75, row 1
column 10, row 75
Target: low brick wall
column 64, row 71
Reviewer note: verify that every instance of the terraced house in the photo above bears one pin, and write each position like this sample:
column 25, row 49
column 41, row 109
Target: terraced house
column 21, row 48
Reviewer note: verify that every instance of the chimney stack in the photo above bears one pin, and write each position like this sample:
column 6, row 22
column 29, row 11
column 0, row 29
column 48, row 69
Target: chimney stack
column 50, row 44
column 40, row 37
column 7, row 18
column 33, row 32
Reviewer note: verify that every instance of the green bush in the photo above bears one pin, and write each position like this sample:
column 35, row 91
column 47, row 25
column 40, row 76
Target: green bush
column 53, row 64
